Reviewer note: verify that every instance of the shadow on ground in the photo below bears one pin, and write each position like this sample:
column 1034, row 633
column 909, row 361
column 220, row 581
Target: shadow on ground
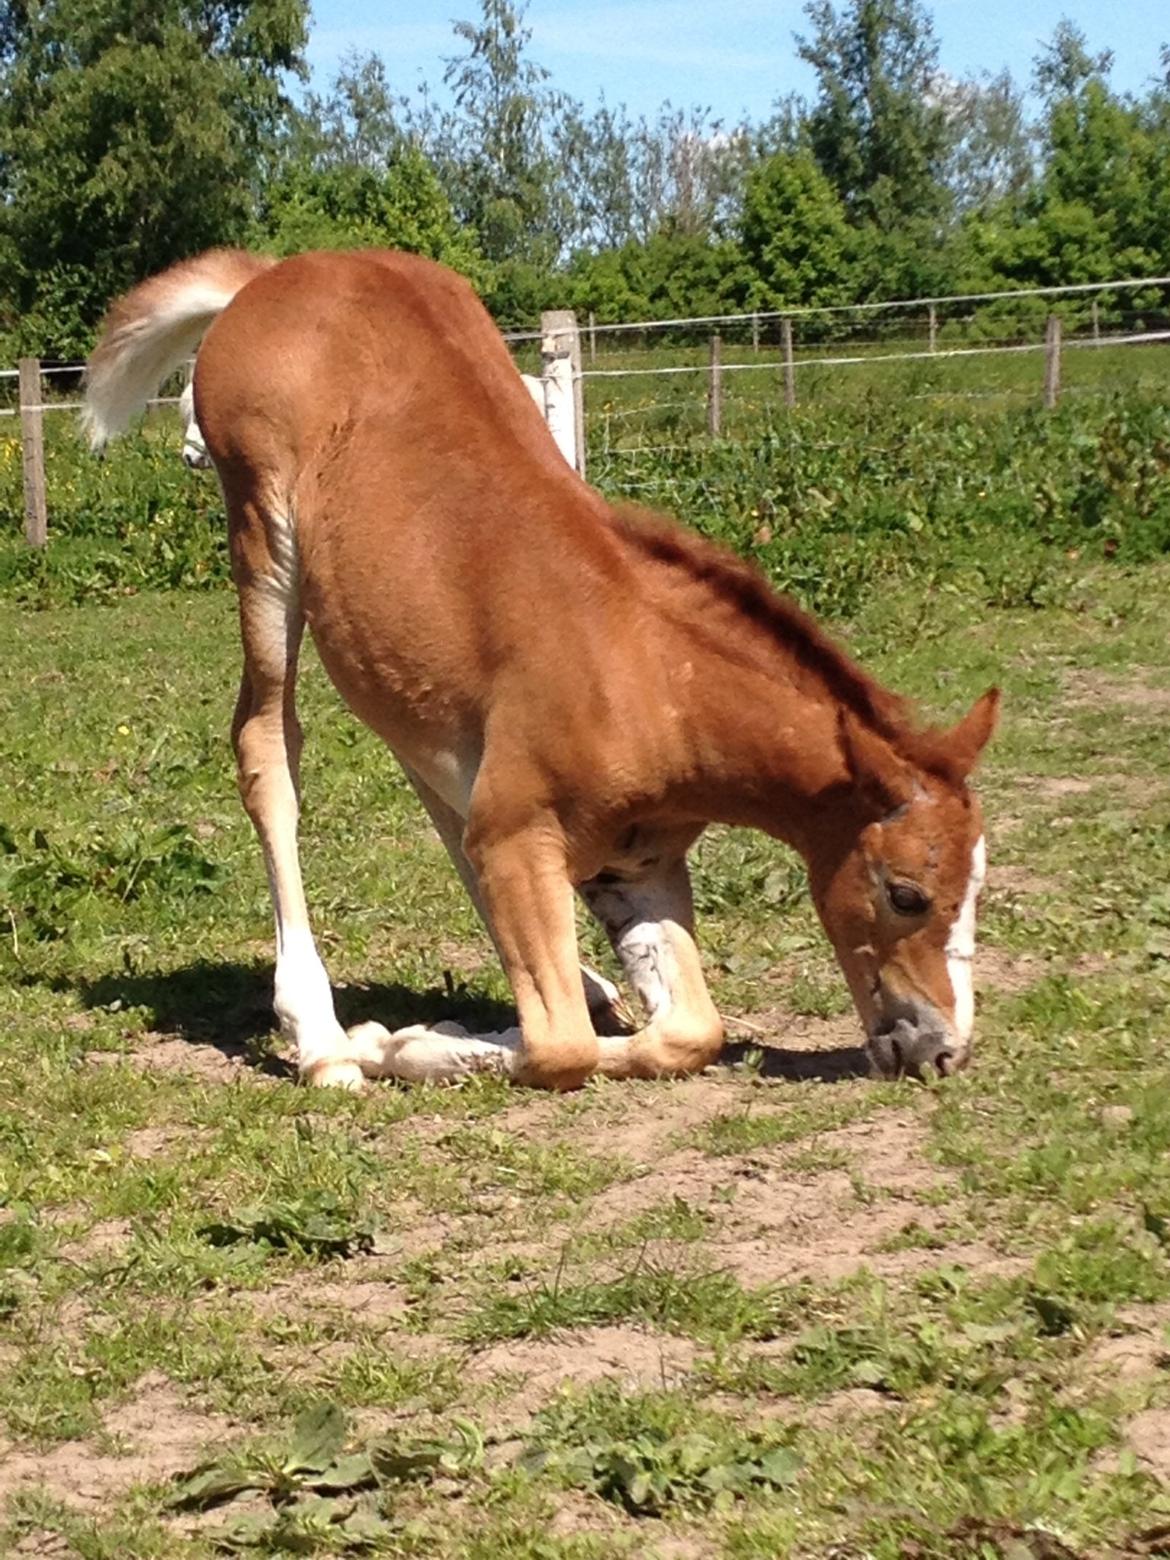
column 229, row 1006
column 837, row 1066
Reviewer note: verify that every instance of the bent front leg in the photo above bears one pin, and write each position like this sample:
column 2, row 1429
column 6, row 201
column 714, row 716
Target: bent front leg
column 651, row 926
column 529, row 903
column 607, row 1006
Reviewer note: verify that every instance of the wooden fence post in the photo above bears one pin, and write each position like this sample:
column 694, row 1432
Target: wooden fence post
column 1052, row 362
column 755, row 332
column 789, row 362
column 592, row 337
column 932, row 328
column 564, row 399
column 1096, row 324
column 715, row 388
column 32, row 450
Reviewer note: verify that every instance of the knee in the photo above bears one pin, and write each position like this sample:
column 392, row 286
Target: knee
column 688, row 1048
column 559, row 1065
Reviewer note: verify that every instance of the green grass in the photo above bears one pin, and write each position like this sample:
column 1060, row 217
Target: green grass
column 906, row 1294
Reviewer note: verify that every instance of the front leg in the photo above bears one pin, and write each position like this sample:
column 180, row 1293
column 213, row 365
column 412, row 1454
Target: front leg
column 650, row 923
column 528, row 902
column 607, row 1006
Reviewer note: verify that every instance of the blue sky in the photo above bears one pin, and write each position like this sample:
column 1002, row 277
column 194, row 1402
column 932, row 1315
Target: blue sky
column 734, row 56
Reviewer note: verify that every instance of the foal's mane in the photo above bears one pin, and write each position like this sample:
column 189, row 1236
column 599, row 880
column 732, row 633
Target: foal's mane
column 742, row 587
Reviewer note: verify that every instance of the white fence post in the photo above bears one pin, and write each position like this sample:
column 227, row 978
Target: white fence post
column 564, row 409
column 715, row 388
column 789, row 362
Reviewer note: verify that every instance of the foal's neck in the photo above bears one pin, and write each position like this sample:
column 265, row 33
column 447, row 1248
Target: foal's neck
column 771, row 753
column 759, row 686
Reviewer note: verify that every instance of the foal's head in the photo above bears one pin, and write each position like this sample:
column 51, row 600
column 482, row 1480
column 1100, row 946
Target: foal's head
column 895, row 876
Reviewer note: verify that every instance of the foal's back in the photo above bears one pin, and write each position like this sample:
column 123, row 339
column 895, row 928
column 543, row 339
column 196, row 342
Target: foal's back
column 366, row 402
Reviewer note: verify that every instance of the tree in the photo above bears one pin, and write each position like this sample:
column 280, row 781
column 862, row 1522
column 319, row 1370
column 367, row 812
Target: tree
column 878, row 128
column 1093, row 212
column 131, row 134
column 990, row 155
column 671, row 274
column 495, row 151
column 794, row 234
column 398, row 206
column 359, row 123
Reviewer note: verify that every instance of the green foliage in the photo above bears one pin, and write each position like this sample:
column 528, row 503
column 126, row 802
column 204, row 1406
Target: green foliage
column 136, row 520
column 318, row 1492
column 46, row 886
column 651, row 1293
column 794, row 233
column 669, row 275
column 833, row 500
column 880, row 134
column 497, row 153
column 349, row 206
column 130, row 136
column 653, row 1466
column 317, row 1224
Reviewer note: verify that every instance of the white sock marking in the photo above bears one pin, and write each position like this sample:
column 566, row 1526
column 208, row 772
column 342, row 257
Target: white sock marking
column 443, row 1053
column 961, row 947
column 304, row 1001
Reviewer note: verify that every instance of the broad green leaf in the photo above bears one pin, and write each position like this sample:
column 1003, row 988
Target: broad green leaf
column 318, row 1436
column 780, row 1466
column 214, row 1482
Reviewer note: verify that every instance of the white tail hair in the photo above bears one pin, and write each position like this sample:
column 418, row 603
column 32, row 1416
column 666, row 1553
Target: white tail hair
column 149, row 331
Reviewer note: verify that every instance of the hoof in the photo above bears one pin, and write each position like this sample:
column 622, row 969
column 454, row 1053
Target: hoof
column 334, row 1075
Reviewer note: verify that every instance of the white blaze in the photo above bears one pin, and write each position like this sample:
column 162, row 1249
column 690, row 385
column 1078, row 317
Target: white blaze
column 961, row 946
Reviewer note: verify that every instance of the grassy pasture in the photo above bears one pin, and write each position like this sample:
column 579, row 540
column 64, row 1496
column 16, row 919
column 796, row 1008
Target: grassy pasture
column 774, row 1310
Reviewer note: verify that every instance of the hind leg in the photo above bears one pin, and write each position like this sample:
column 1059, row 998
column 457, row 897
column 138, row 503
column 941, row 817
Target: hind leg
column 267, row 739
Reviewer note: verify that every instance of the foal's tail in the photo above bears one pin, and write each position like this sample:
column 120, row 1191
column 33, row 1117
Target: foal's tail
column 149, row 331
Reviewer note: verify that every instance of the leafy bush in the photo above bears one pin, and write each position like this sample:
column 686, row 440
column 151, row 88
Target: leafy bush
column 831, row 500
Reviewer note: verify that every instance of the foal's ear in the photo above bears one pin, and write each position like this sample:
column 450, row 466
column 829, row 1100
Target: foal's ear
column 879, row 774
column 967, row 740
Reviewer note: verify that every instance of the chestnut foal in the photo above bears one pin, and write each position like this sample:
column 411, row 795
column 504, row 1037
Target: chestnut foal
column 575, row 690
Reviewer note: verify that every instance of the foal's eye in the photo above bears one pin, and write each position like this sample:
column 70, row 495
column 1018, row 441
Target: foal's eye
column 907, row 898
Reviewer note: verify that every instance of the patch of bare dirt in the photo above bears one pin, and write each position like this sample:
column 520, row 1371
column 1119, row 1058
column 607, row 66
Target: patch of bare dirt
column 154, row 1142
column 1009, row 973
column 1085, row 687
column 169, row 1053
column 1013, row 879
column 1141, row 1350
column 1148, row 1436
column 106, row 1238
column 364, row 1295
column 798, row 1046
column 633, row 1358
column 852, row 1403
column 45, row 1546
column 1054, row 788
column 157, row 1433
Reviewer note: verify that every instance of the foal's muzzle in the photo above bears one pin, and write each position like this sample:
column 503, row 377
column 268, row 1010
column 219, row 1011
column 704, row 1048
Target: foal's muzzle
column 913, row 1039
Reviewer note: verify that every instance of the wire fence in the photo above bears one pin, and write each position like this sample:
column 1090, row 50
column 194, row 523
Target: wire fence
column 655, row 385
